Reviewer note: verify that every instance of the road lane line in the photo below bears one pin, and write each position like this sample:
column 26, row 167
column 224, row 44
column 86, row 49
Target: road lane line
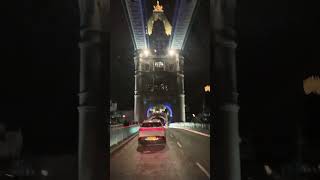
column 203, row 169
column 196, row 132
column 179, row 144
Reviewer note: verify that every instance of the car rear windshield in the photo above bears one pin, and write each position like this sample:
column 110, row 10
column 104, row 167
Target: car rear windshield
column 151, row 124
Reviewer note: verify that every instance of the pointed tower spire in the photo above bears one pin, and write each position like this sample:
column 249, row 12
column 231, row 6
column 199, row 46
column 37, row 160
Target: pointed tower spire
column 158, row 8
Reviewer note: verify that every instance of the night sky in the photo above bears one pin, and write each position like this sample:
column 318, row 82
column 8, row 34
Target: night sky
column 277, row 49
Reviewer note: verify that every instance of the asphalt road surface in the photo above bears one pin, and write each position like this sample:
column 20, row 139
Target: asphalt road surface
column 186, row 156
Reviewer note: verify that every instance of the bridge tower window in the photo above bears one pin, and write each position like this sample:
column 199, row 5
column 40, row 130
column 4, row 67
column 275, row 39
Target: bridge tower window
column 158, row 64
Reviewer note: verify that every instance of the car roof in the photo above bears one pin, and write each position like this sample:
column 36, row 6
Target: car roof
column 151, row 121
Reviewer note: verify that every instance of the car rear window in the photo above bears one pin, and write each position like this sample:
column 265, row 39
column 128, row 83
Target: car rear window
column 151, row 124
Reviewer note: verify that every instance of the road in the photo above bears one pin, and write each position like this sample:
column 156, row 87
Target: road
column 186, row 156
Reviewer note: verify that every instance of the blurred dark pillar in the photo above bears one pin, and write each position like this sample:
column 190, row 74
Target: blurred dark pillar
column 138, row 98
column 181, row 110
column 226, row 157
column 92, row 155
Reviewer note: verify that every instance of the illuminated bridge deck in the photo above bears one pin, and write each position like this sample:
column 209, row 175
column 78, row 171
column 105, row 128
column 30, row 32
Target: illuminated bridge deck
column 186, row 156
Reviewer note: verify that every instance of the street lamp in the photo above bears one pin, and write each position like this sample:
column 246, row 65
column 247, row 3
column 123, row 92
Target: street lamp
column 146, row 52
column 172, row 52
column 207, row 88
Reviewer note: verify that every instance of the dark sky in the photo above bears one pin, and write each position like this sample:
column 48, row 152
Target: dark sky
column 40, row 73
column 277, row 50
column 40, row 67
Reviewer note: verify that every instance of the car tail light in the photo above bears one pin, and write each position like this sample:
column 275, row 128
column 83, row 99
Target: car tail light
column 152, row 129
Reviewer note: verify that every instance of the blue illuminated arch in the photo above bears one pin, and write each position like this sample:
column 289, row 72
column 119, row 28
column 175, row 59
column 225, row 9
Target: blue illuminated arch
column 167, row 105
column 148, row 110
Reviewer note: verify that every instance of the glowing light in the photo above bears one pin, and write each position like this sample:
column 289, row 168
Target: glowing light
column 268, row 170
column 44, row 172
column 312, row 85
column 146, row 52
column 158, row 8
column 207, row 88
column 123, row 116
column 158, row 64
column 151, row 129
column 166, row 106
column 193, row 115
column 172, row 52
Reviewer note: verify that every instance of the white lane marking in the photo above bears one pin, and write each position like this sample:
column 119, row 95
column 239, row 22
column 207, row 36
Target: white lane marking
column 203, row 169
column 179, row 144
column 196, row 132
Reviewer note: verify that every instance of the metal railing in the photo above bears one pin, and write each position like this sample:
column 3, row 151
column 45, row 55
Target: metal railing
column 118, row 134
column 191, row 125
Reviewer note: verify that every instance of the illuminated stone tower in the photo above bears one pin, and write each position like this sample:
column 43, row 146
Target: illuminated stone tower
column 159, row 77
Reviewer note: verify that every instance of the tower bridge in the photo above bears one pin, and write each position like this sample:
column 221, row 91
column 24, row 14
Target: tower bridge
column 159, row 30
column 158, row 59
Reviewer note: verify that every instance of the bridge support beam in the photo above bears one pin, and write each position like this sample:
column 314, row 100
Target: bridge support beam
column 138, row 108
column 181, row 108
column 180, row 88
column 226, row 157
column 138, row 98
column 92, row 155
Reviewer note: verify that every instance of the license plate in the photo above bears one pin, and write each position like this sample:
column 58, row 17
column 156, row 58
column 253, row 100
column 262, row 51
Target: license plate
column 151, row 138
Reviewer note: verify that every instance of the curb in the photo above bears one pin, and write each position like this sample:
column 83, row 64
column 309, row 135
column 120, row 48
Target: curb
column 116, row 148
